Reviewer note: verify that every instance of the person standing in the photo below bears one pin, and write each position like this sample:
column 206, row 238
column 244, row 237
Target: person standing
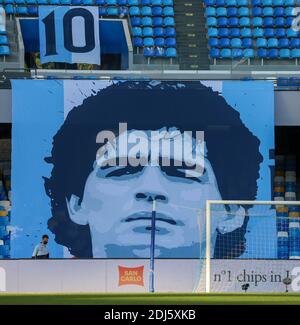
column 41, row 251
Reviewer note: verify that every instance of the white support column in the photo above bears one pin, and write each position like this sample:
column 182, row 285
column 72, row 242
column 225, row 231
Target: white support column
column 208, row 244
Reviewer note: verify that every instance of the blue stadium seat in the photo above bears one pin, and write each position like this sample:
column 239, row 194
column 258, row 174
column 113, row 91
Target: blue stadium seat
column 148, row 51
column 291, row 33
column 257, row 22
column 295, row 42
column 137, row 31
column 156, row 2
column 169, row 21
column 158, row 32
column 224, row 42
column 158, row 21
column 171, row 52
column 171, row 32
column 261, row 42
column 272, row 42
column 209, row 2
column 295, row 53
column 278, row 11
column 243, row 12
column 170, row 42
column 237, row 53
column 232, row 11
column 256, row 3
column 211, row 21
column 76, row 2
column 273, row 53
column 248, row 53
column 233, row 22
column 19, row 2
column 65, row 2
column 33, row 10
column 157, row 11
column 257, row 11
column 210, row 12
column 279, row 22
column 133, row 2
column 159, row 41
column 111, row 2
column 214, row 53
column 290, row 3
column 3, row 40
column 98, row 2
column 242, row 3
column 9, row 9
column 269, row 32
column 4, row 50
column 112, row 11
column 247, row 42
column 225, row 53
column 87, row 2
column 134, row 11
column 147, row 32
column 267, row 3
column 222, row 22
column 222, row 32
column 148, row 41
column 159, row 51
column 289, row 21
column 168, row 11
column 146, row 2
column 280, row 32
column 146, row 11
column 262, row 53
column 135, row 21
column 21, row 10
column 278, row 3
column 213, row 42
column 221, row 11
column 220, row 3
column 268, row 11
column 102, row 11
column 147, row 21
column 268, row 22
column 122, row 10
column 234, row 32
column 212, row 32
column 284, row 53
column 137, row 41
column 171, row 2
column 289, row 11
column 231, row 3
column 236, row 42
column 244, row 22
column 122, row 2
column 246, row 32
column 283, row 42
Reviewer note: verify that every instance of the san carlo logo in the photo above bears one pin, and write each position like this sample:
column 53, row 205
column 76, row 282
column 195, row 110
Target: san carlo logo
column 2, row 279
column 131, row 275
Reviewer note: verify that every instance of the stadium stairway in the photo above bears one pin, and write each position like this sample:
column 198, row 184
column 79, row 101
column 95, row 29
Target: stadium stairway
column 190, row 23
column 15, row 60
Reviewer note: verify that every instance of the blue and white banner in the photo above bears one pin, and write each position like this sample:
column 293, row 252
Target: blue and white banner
column 87, row 162
column 69, row 34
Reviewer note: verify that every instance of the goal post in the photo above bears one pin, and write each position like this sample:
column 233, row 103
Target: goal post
column 270, row 235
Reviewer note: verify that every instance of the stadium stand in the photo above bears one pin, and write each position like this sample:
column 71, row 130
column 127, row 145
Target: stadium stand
column 259, row 29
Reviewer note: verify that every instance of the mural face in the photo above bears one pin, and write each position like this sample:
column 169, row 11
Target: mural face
column 117, row 146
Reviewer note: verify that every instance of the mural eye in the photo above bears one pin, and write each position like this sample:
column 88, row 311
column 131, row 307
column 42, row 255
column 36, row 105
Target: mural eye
column 187, row 173
column 121, row 171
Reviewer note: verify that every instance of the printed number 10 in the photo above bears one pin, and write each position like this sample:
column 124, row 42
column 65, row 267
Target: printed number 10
column 89, row 32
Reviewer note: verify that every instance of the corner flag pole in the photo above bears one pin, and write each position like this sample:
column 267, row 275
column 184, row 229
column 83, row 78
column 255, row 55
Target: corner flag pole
column 152, row 247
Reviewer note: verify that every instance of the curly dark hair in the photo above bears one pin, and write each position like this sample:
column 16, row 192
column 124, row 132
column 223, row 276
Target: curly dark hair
column 232, row 149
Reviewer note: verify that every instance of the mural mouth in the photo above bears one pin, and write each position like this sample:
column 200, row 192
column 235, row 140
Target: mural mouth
column 145, row 215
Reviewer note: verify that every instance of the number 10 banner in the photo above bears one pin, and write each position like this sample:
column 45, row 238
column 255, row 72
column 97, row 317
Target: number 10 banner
column 69, row 34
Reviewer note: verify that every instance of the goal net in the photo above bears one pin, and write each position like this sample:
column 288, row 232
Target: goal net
column 251, row 246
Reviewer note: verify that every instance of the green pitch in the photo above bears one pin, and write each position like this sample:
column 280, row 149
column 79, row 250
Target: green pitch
column 149, row 299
